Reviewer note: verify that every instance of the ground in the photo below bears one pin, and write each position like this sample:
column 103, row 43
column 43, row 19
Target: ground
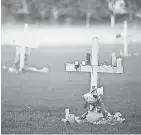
column 35, row 102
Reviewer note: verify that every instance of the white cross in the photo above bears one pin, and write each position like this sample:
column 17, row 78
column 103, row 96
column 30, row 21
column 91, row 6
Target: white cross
column 95, row 68
column 124, row 35
column 23, row 49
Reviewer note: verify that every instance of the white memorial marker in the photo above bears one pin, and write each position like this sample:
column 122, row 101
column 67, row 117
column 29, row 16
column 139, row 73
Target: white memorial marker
column 114, row 59
column 23, row 48
column 125, row 37
column 66, row 114
column 94, row 68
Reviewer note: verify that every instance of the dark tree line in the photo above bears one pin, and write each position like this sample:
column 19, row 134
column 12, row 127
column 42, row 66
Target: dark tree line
column 69, row 11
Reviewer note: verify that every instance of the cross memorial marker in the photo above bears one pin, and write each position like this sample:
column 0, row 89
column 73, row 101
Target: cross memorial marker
column 125, row 37
column 23, row 48
column 22, row 51
column 95, row 68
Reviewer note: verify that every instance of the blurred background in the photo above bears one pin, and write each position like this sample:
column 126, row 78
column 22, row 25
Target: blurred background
column 70, row 12
column 69, row 22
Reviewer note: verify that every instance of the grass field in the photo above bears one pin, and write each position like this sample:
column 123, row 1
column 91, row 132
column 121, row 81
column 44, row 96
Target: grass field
column 35, row 103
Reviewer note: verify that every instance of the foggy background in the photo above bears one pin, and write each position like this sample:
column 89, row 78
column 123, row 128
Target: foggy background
column 67, row 22
column 74, row 12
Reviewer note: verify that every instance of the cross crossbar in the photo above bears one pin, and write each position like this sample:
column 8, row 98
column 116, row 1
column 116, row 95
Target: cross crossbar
column 95, row 68
column 70, row 67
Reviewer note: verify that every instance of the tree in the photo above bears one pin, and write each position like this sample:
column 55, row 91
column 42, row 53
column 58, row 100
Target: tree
column 44, row 7
column 115, row 7
column 25, row 10
column 133, row 8
column 67, row 8
column 10, row 9
column 64, row 7
column 89, row 8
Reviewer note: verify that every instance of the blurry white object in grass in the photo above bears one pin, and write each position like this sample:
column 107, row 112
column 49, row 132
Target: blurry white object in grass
column 43, row 70
column 10, row 69
column 4, row 67
column 13, row 70
column 28, row 107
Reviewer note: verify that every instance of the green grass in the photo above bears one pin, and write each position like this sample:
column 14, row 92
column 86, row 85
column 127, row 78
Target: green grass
column 35, row 103
column 21, row 120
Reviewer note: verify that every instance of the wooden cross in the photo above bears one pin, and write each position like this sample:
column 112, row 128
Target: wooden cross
column 95, row 68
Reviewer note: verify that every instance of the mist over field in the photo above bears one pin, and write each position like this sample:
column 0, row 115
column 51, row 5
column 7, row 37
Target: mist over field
column 44, row 35
column 68, row 22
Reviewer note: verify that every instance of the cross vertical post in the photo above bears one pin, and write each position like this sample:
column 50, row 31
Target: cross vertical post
column 125, row 38
column 22, row 58
column 94, row 62
column 23, row 48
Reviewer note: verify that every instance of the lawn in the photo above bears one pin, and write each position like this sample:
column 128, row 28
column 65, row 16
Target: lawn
column 35, row 102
